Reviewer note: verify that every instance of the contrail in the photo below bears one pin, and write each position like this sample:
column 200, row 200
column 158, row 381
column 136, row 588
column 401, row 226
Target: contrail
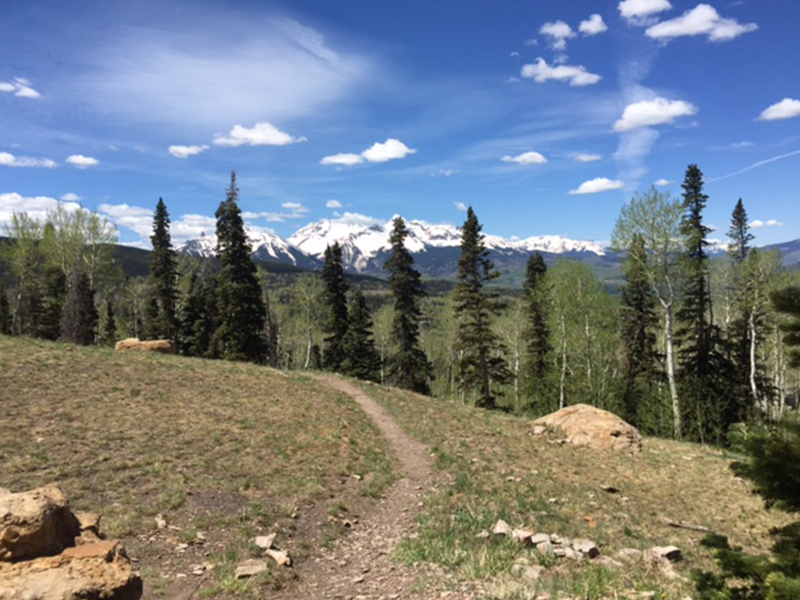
column 760, row 163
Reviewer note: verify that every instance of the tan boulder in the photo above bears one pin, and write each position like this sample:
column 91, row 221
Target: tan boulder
column 35, row 523
column 162, row 346
column 585, row 425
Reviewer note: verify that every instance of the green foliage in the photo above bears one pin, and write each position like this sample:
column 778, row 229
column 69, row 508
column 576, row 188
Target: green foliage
column 482, row 366
column 773, row 465
column 361, row 360
column 537, row 331
column 787, row 301
column 409, row 367
column 336, row 301
column 163, row 278
column 79, row 317
column 240, row 307
column 5, row 311
column 108, row 333
column 198, row 317
column 739, row 234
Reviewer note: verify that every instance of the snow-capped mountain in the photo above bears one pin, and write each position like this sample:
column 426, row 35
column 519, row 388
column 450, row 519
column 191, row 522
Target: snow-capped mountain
column 266, row 246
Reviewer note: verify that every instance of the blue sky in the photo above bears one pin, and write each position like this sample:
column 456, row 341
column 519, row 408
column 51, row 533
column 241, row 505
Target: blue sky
column 545, row 116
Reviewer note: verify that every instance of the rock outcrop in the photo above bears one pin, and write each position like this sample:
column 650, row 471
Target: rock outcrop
column 48, row 553
column 585, row 425
column 162, row 346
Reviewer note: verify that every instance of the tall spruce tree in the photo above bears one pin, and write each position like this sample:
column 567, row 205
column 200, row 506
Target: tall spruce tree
column 163, row 277
column 109, row 332
column 538, row 345
column 241, row 311
column 5, row 311
column 336, row 300
column 361, row 360
column 198, row 317
column 481, row 365
column 408, row 368
column 638, row 325
column 787, row 301
column 79, row 317
column 739, row 234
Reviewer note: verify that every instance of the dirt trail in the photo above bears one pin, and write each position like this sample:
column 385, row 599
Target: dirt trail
column 360, row 565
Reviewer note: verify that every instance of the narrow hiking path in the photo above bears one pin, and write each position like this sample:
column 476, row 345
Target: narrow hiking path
column 360, row 565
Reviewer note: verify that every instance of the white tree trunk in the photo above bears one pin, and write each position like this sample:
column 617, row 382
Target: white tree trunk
column 669, row 344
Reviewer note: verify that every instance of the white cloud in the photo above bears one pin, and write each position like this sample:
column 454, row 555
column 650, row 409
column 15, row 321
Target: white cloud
column 136, row 218
column 82, row 162
column 576, row 75
column 186, row 151
column 35, row 206
column 20, row 87
column 9, row 160
column 526, row 158
column 785, row 109
column 634, row 147
column 296, row 208
column 600, row 184
column 585, row 158
column 445, row 173
column 70, row 197
column 663, row 182
column 357, row 219
column 333, row 204
column 593, row 25
column 261, row 134
column 703, row 19
column 460, row 206
column 391, row 149
column 558, row 32
column 757, row 223
column 344, row 158
column 638, row 11
column 653, row 112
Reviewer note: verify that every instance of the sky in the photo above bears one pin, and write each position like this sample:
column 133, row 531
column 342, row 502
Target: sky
column 544, row 116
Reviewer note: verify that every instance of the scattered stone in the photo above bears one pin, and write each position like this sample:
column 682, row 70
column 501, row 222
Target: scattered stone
column 523, row 535
column 279, row 556
column 161, row 522
column 545, row 548
column 586, row 547
column 585, row 425
column 540, row 538
column 610, row 489
column 359, row 579
column 671, row 553
column 559, row 552
column 161, row 346
column 501, row 528
column 250, row 568
column 556, row 539
column 482, row 535
column 607, row 561
column 630, row 555
column 264, row 541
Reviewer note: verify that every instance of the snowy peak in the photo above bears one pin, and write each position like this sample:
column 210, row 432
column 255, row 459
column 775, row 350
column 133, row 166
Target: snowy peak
column 265, row 245
column 556, row 244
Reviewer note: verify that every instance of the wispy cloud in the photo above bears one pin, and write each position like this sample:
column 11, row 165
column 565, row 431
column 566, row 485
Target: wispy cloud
column 587, row 158
column 576, row 76
column 20, row 87
column 663, row 182
column 597, row 185
column 82, row 162
column 460, row 206
column 653, row 112
column 785, row 109
column 70, row 197
column 379, row 152
column 186, row 151
column 756, row 165
column 701, row 20
column 261, row 134
column 9, row 160
column 756, row 224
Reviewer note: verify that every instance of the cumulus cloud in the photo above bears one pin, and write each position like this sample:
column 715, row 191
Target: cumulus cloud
column 653, row 112
column 585, row 158
column 70, row 197
column 662, row 182
column 36, row 207
column 333, row 204
column 558, row 32
column 296, row 208
column 391, row 149
column 20, row 87
column 526, row 158
column 9, row 160
column 757, row 223
column 541, row 72
column 600, row 184
column 638, row 12
column 135, row 218
column 593, row 25
column 785, row 109
column 82, row 162
column 261, row 134
column 186, row 151
column 460, row 206
column 703, row 19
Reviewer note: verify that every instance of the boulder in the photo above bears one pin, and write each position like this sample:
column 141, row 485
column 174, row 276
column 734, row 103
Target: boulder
column 585, row 425
column 35, row 523
column 162, row 346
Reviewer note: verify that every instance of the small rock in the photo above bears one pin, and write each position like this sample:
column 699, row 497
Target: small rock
column 545, row 548
column 250, row 568
column 264, row 541
column 607, row 561
column 610, row 489
column 161, row 522
column 483, row 535
column 629, row 555
column 559, row 552
column 556, row 539
column 523, row 535
column 539, row 429
column 532, row 573
column 586, row 547
column 279, row 556
column 359, row 579
column 671, row 553
column 501, row 528
column 540, row 538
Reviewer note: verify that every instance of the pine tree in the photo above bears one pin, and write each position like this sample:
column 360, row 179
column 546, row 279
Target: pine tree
column 787, row 301
column 481, row 365
column 109, row 334
column 739, row 234
column 638, row 323
column 163, row 277
column 79, row 317
column 198, row 319
column 409, row 368
column 5, row 311
column 241, row 311
column 361, row 360
column 336, row 300
column 538, row 346
column 54, row 289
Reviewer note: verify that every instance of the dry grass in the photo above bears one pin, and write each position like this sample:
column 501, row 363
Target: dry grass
column 498, row 469
column 219, row 448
